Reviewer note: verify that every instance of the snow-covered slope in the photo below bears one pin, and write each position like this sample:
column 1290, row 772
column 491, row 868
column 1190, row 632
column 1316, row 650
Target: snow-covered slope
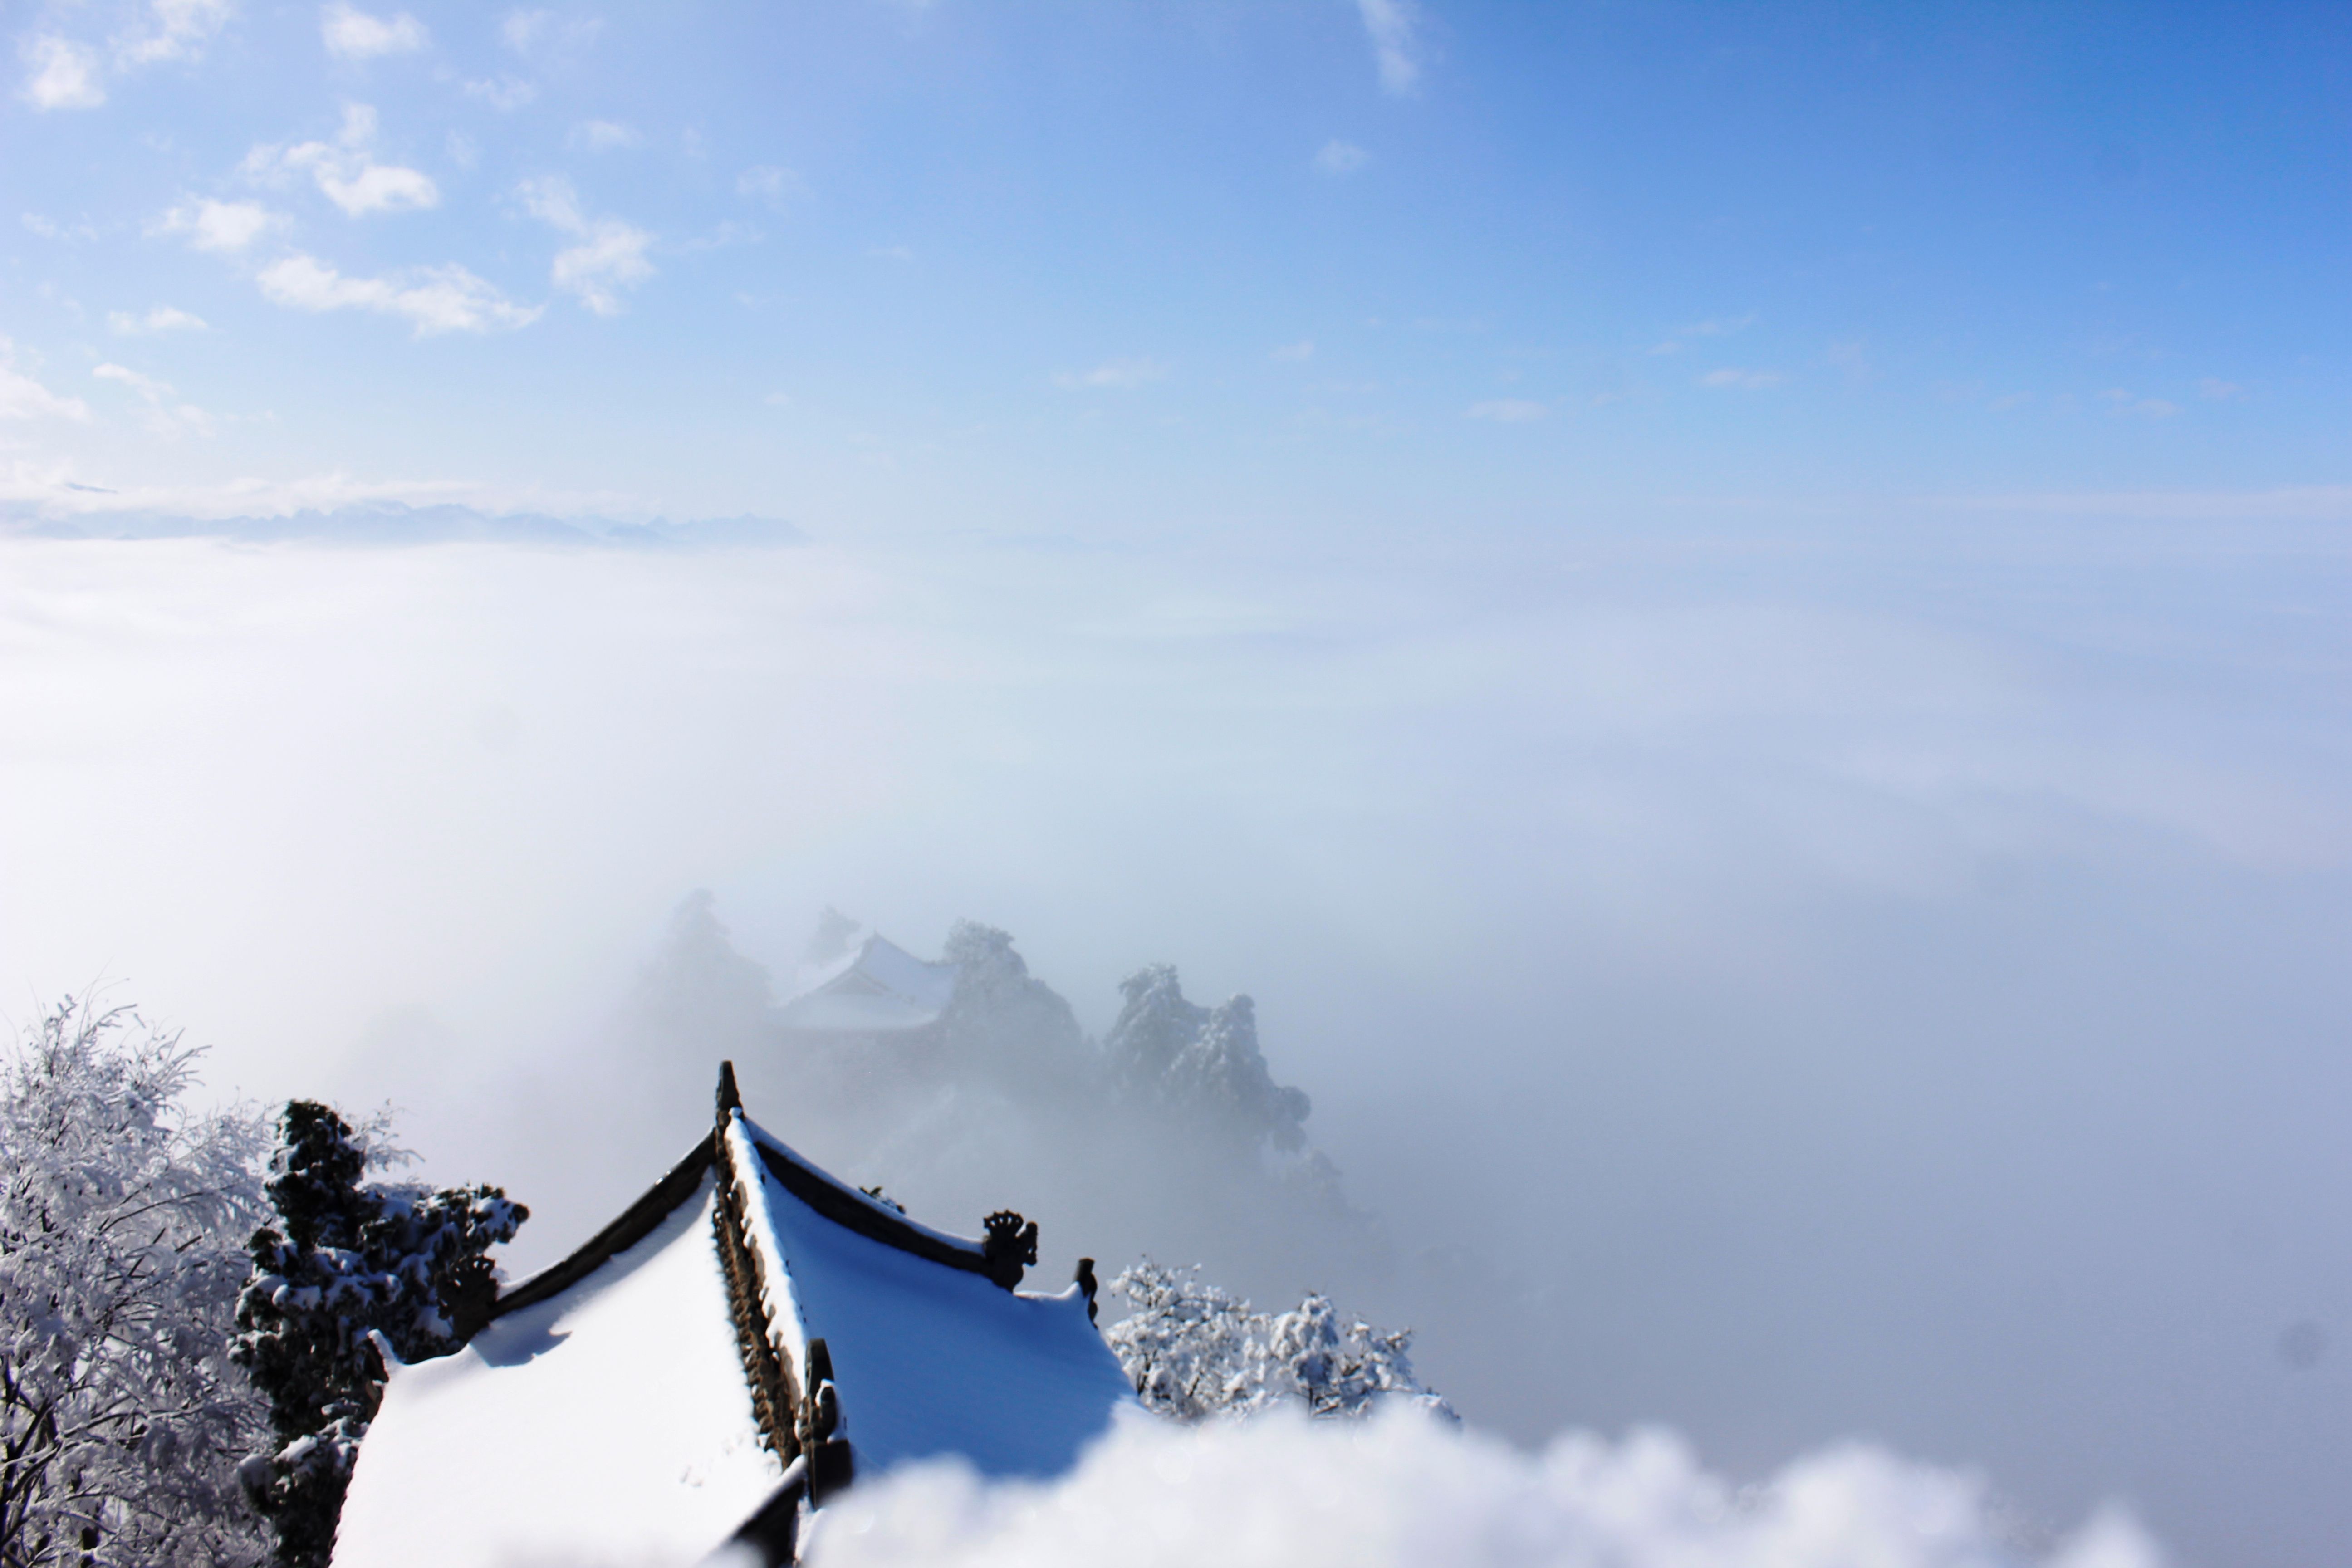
column 607, row 1424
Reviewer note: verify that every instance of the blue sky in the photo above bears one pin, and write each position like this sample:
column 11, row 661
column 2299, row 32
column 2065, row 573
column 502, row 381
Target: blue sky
column 875, row 265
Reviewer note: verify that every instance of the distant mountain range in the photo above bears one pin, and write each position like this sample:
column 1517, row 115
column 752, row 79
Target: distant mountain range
column 383, row 523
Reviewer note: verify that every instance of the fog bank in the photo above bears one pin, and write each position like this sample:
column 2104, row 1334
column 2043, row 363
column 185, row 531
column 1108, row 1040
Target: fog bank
column 1407, row 1491
column 1784, row 980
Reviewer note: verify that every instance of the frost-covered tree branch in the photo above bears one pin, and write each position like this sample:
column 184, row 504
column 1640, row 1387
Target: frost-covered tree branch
column 1195, row 1352
column 121, row 1417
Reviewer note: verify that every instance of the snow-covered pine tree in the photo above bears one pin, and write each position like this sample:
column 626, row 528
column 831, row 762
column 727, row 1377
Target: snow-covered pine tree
column 349, row 1265
column 120, row 1418
column 1194, row 1351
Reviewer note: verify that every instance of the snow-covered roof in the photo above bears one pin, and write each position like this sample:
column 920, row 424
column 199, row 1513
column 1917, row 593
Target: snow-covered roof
column 645, row 1398
column 877, row 988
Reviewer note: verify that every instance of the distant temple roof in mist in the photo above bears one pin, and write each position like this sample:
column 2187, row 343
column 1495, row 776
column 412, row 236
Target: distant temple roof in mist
column 876, row 987
column 726, row 1353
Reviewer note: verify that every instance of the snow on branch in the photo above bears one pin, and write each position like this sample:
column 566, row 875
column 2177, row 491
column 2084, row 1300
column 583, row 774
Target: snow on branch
column 121, row 1417
column 1194, row 1351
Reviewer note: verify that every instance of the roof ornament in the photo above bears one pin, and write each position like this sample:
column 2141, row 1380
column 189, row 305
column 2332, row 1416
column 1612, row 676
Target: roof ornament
column 1011, row 1243
column 728, row 1100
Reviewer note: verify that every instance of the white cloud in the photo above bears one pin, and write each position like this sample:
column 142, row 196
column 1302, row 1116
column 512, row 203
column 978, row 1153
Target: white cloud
column 51, row 487
column 1403, row 1488
column 347, row 172
column 1294, row 354
column 218, row 225
column 528, row 32
column 64, row 74
column 1507, row 411
column 611, row 254
column 505, row 94
column 1338, row 157
column 172, row 30
column 49, row 228
column 1742, row 380
column 433, row 300
column 768, row 182
column 2220, row 391
column 160, row 319
column 165, row 415
column 602, row 135
column 1717, row 327
column 1852, row 356
column 22, row 397
column 521, row 29
column 1122, row 375
column 1393, row 26
column 892, row 253
column 351, row 34
column 2124, row 402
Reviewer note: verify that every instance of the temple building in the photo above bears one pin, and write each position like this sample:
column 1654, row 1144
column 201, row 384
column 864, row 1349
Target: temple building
column 746, row 1339
column 876, row 987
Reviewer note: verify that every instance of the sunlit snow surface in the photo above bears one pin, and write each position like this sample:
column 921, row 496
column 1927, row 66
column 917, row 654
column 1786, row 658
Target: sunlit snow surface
column 613, row 1424
column 610, row 1424
column 932, row 1360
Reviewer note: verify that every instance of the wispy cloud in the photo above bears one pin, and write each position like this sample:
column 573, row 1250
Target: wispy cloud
column 65, row 73
column 158, row 319
column 351, row 34
column 1394, row 26
column 1338, row 157
column 602, row 135
column 534, row 32
column 53, row 489
column 505, row 94
column 433, row 299
column 2130, row 403
column 769, row 182
column 163, row 413
column 521, row 29
column 1120, row 375
column 1294, row 354
column 610, row 257
column 346, row 171
column 22, row 397
column 1731, row 378
column 60, row 73
column 1680, row 337
column 49, row 228
column 170, row 30
column 224, row 226
column 1507, row 411
column 2220, row 391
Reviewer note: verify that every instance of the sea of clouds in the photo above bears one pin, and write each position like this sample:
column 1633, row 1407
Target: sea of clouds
column 1778, row 983
column 1403, row 1491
